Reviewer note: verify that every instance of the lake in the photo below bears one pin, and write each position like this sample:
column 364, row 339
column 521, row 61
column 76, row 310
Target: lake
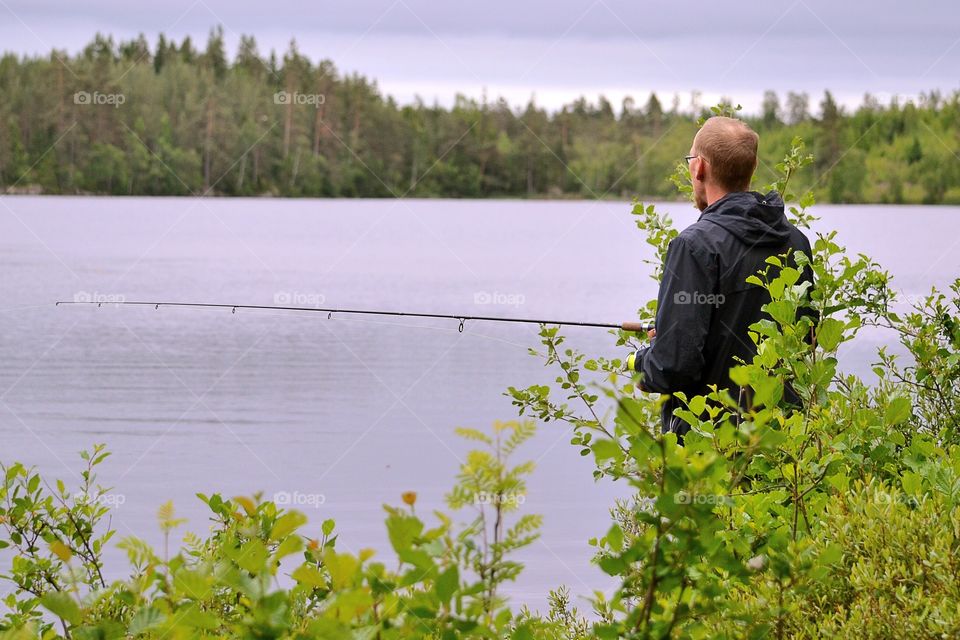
column 342, row 415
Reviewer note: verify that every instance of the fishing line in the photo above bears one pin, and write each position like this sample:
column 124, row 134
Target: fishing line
column 444, row 329
column 631, row 326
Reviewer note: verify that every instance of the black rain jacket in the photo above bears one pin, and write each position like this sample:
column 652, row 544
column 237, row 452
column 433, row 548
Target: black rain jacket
column 705, row 305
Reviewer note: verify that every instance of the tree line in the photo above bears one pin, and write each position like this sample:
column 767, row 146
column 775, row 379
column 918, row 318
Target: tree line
column 125, row 118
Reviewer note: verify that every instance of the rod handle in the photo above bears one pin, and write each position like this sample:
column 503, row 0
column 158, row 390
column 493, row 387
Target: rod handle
column 637, row 327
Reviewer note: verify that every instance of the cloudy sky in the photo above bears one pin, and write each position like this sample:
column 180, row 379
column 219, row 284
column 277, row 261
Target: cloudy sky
column 555, row 50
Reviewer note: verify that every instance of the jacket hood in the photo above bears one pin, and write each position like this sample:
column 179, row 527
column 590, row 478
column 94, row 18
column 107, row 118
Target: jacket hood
column 751, row 217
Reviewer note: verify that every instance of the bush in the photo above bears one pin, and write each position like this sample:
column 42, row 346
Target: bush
column 445, row 583
column 887, row 569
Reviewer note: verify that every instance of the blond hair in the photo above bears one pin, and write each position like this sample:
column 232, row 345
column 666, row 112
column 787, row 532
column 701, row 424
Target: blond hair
column 730, row 146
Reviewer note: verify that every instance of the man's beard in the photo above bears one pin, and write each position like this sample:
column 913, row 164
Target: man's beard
column 699, row 201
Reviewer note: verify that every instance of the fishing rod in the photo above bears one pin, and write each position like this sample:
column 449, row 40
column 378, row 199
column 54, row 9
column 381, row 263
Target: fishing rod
column 633, row 326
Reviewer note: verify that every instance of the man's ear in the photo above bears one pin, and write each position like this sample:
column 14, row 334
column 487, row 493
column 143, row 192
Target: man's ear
column 700, row 172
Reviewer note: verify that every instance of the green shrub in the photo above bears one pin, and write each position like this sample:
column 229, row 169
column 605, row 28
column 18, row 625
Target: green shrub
column 443, row 582
column 888, row 568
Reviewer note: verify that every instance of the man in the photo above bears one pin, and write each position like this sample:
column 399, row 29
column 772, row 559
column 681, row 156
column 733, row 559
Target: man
column 705, row 305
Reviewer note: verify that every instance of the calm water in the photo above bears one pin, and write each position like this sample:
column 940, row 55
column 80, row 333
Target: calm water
column 343, row 414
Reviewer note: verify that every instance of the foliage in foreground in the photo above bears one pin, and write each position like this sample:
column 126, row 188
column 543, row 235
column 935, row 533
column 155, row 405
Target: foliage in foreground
column 443, row 582
column 836, row 519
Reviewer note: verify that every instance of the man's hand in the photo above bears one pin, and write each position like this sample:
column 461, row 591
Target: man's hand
column 633, row 360
column 651, row 335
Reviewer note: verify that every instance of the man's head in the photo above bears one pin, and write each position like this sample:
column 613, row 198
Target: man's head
column 725, row 157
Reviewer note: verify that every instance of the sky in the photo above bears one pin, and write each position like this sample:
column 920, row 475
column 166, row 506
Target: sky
column 554, row 51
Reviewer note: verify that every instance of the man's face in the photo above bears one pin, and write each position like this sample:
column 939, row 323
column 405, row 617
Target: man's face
column 697, row 174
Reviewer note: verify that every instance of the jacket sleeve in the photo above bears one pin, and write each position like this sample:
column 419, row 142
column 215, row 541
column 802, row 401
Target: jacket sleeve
column 685, row 305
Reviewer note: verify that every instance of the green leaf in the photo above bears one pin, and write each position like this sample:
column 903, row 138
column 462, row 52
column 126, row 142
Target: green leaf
column 62, row 605
column 144, row 620
column 839, row 481
column 832, row 554
column 898, row 410
column 290, row 545
column 612, row 565
column 912, row 482
column 310, row 576
column 248, row 505
column 697, row 405
column 342, row 567
column 61, row 550
column 615, row 538
column 403, row 530
column 193, row 584
column 447, row 584
column 769, row 391
column 192, row 616
column 605, row 450
column 522, row 632
column 784, row 312
column 287, row 524
column 253, row 556
column 740, row 375
column 418, row 558
column 327, row 527
column 830, row 333
column 473, row 434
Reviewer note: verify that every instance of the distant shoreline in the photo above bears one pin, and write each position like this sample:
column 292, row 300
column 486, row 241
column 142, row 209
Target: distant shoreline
column 506, row 198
